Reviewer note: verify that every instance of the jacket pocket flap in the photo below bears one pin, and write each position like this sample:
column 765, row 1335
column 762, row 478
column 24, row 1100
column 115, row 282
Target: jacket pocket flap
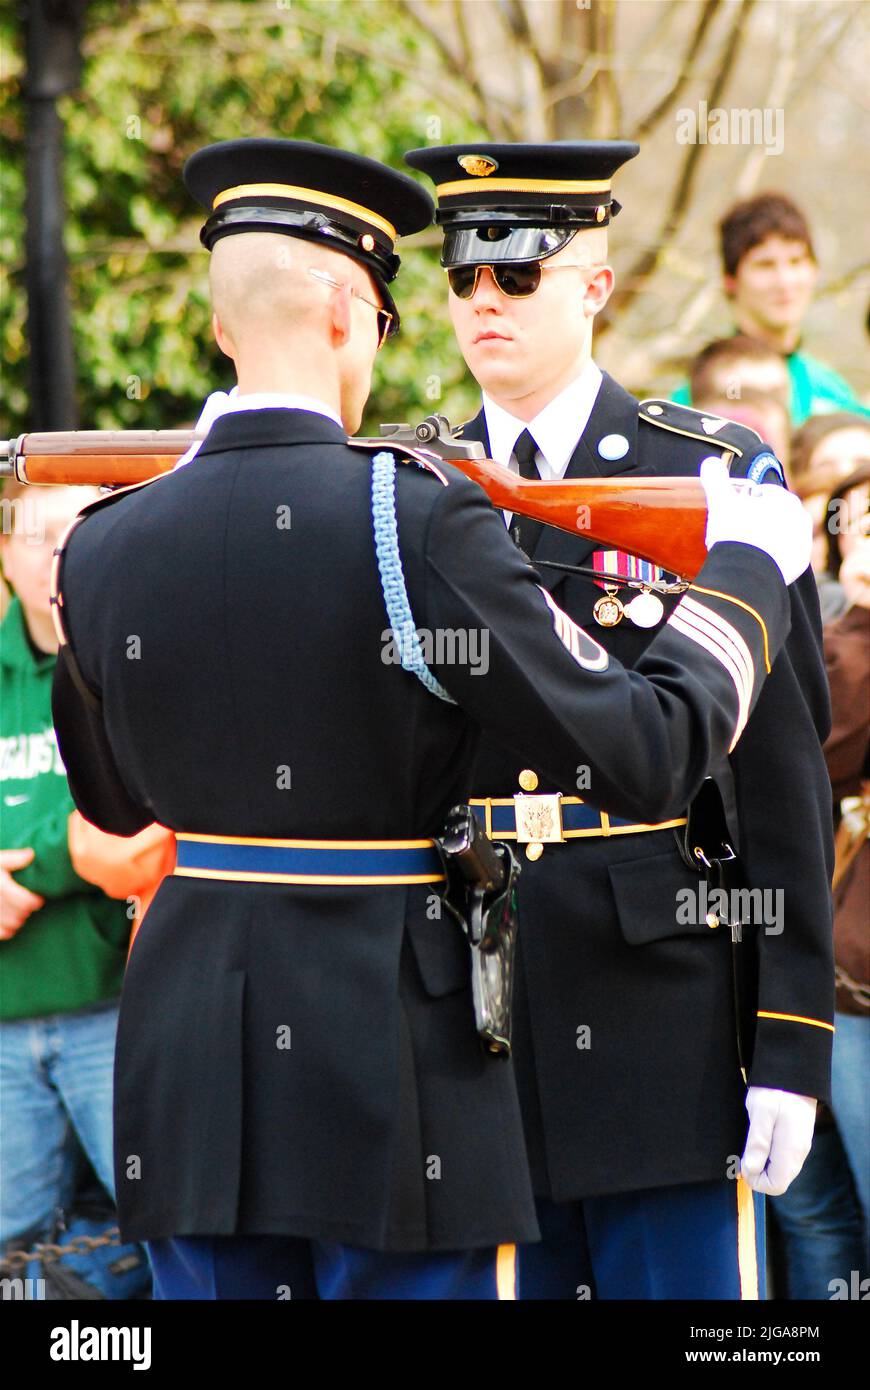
column 657, row 898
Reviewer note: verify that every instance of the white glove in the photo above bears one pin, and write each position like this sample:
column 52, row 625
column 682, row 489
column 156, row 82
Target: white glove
column 779, row 1139
column 759, row 514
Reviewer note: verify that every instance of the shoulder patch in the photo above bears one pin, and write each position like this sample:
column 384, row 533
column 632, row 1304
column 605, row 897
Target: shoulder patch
column 697, row 424
column 584, row 649
column 762, row 466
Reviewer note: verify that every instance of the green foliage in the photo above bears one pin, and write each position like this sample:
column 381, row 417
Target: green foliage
column 160, row 80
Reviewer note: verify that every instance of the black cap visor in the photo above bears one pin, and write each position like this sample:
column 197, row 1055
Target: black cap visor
column 496, row 243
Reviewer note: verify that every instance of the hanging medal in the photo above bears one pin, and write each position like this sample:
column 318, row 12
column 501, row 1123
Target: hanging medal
column 609, row 609
column 645, row 610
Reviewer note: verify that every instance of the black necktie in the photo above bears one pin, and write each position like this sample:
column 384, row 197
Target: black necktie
column 525, row 531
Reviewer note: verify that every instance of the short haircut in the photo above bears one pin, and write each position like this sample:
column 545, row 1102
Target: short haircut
column 707, row 368
column 748, row 223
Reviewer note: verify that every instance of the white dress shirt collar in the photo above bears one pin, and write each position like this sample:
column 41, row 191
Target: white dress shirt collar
column 230, row 403
column 556, row 429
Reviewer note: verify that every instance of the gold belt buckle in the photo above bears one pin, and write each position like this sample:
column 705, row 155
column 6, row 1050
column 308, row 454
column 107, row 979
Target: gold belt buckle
column 539, row 819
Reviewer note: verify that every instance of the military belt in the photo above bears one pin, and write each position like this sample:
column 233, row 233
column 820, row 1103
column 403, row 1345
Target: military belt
column 356, row 863
column 553, row 818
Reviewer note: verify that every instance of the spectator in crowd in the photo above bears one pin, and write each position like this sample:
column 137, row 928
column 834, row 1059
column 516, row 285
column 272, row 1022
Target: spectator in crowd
column 62, row 941
column 743, row 379
column 823, row 1217
column 826, row 451
column 769, row 275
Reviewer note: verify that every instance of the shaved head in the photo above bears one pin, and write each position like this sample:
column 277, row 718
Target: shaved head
column 289, row 331
column 256, row 283
column 260, row 285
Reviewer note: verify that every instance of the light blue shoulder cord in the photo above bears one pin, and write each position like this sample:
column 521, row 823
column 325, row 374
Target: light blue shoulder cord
column 392, row 578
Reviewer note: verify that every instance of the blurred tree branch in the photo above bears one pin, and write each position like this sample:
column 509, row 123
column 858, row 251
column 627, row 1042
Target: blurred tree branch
column 679, row 201
column 370, row 76
column 647, row 123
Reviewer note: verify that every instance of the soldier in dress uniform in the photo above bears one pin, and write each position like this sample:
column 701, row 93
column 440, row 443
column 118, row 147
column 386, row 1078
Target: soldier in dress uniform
column 302, row 1105
column 632, row 1089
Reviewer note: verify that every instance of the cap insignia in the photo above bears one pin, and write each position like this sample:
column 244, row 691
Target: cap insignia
column 479, row 166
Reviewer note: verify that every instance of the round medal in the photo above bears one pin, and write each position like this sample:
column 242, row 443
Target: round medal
column 608, row 610
column 645, row 610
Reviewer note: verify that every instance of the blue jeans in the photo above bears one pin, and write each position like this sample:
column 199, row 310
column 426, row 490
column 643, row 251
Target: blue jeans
column 851, row 1095
column 819, row 1222
column 55, row 1093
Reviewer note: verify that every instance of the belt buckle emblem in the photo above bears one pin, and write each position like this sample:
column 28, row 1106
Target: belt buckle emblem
column 539, row 818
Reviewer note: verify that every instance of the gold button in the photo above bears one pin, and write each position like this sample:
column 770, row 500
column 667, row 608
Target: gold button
column 534, row 850
column 528, row 779
column 367, row 242
column 712, row 920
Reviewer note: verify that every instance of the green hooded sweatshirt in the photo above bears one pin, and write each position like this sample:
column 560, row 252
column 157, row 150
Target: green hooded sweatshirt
column 70, row 954
column 815, row 390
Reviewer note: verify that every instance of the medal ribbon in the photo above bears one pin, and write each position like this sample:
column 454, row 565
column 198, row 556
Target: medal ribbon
column 620, row 562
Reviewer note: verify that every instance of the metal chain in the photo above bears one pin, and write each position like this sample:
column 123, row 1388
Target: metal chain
column 860, row 993
column 856, row 818
column 79, row 1245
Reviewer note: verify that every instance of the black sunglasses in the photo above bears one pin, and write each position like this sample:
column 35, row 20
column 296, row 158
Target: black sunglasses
column 515, row 281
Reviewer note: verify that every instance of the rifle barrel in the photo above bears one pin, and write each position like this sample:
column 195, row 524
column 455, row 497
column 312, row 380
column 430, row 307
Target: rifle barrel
column 659, row 519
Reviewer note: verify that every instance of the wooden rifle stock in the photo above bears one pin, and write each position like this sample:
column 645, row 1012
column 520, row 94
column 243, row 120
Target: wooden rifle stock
column 659, row 519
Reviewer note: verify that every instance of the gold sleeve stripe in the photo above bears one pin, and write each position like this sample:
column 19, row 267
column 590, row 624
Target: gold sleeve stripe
column 729, row 598
column 714, row 622
column 713, row 643
column 715, row 650
column 797, row 1018
column 306, row 195
column 718, row 644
